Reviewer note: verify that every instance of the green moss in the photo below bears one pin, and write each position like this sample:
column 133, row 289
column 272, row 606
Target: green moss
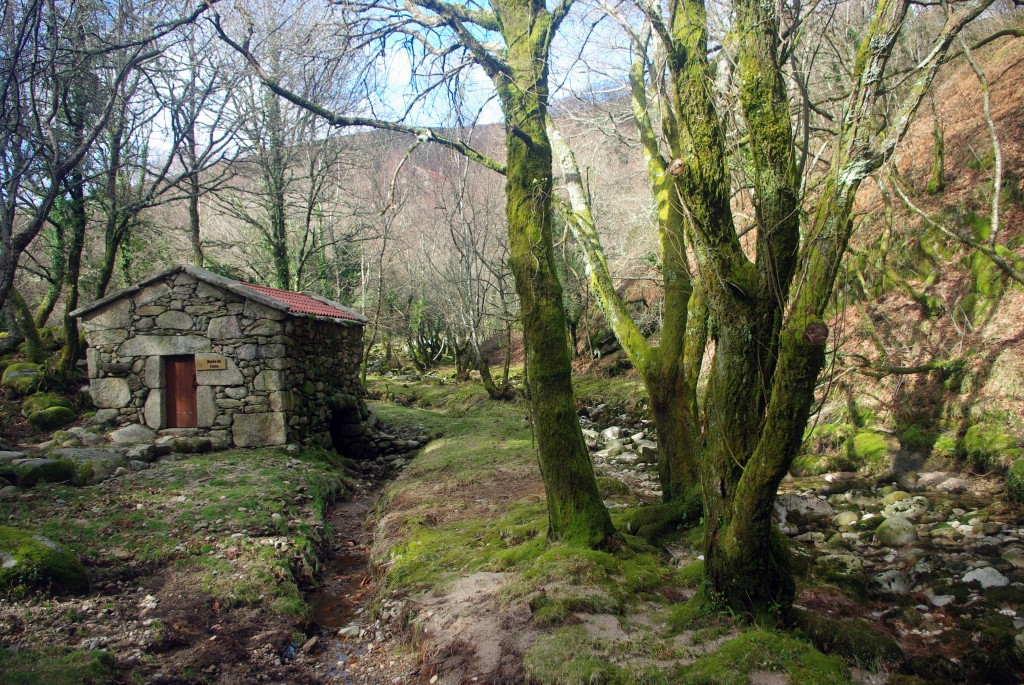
column 760, row 650
column 829, row 437
column 653, row 522
column 692, row 613
column 692, row 575
column 870, row 448
column 22, row 378
column 810, row 465
column 853, row 640
column 986, row 446
column 1015, row 481
column 916, row 439
column 945, row 446
column 48, row 419
column 32, row 562
column 57, row 666
column 612, row 488
column 43, row 400
column 570, row 656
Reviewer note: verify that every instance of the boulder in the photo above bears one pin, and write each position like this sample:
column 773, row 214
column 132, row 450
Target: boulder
column 102, row 418
column 955, row 485
column 133, row 434
column 909, row 507
column 611, row 433
column 890, row 582
column 895, row 532
column 30, row 562
column 802, row 507
column 895, row 496
column 648, row 450
column 28, row 472
column 843, row 563
column 92, row 465
column 1014, row 555
column 846, row 518
column 987, row 577
column 49, row 419
column 21, row 378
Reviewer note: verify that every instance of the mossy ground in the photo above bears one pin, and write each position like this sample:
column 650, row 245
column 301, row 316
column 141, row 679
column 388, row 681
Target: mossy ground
column 241, row 530
column 472, row 502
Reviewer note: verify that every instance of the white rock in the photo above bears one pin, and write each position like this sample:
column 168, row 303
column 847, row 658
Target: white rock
column 611, row 433
column 987, row 577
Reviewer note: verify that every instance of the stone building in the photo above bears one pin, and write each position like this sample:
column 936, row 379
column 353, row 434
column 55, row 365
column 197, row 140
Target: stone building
column 243, row 364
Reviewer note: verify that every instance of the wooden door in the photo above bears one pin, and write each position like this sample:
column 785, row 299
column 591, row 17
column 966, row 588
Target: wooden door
column 180, row 373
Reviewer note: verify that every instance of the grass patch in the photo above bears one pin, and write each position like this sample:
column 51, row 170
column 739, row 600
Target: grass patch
column 56, row 666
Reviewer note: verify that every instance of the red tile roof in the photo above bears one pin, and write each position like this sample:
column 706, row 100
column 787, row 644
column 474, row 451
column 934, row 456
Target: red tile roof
column 300, row 303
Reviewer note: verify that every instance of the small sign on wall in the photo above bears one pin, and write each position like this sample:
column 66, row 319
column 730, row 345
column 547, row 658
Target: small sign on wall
column 211, row 363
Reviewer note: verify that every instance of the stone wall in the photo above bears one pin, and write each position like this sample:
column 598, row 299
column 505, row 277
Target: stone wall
column 279, row 367
column 324, row 373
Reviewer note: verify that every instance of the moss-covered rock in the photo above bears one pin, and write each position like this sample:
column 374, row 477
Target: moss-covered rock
column 1015, row 481
column 28, row 472
column 853, row 640
column 22, row 378
column 49, row 419
column 30, row 562
column 43, row 400
column 896, row 531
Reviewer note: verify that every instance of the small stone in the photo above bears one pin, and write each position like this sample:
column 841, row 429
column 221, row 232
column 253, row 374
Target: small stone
column 309, row 644
column 349, row 631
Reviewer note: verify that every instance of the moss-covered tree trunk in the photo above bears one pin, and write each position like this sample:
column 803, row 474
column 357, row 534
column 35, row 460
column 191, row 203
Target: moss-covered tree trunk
column 576, row 512
column 58, row 262
column 275, row 180
column 77, row 223
column 937, row 181
column 26, row 327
